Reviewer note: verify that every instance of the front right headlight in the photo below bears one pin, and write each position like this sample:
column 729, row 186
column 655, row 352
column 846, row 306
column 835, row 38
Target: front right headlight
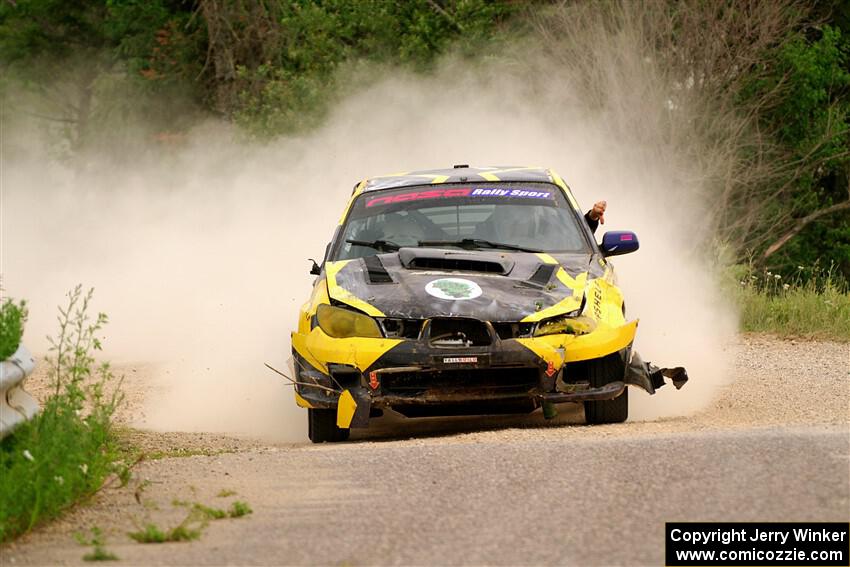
column 344, row 323
column 565, row 324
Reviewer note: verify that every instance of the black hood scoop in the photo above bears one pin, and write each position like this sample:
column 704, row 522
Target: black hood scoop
column 454, row 261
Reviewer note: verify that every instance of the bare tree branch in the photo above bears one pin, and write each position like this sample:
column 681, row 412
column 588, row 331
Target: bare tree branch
column 50, row 118
column 801, row 224
column 442, row 11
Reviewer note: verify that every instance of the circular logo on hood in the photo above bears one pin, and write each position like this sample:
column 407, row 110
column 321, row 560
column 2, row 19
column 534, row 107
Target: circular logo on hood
column 454, row 289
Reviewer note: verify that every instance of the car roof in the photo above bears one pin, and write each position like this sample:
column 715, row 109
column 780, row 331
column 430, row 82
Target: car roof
column 459, row 174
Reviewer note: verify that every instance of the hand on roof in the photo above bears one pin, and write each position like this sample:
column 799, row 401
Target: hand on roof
column 597, row 213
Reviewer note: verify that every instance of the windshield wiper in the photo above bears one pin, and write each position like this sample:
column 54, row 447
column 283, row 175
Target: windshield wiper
column 470, row 243
column 384, row 245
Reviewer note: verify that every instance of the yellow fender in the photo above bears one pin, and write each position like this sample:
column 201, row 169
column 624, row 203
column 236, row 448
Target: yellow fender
column 345, row 410
column 560, row 349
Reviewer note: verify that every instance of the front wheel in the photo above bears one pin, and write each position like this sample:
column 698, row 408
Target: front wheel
column 322, row 426
column 608, row 411
column 601, row 372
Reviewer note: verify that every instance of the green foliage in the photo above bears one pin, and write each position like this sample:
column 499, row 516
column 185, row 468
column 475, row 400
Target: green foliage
column 100, row 554
column 189, row 529
column 12, row 318
column 64, row 453
column 811, row 124
column 294, row 79
column 99, row 551
column 52, row 32
column 192, row 526
column 210, row 513
column 813, row 304
column 96, row 71
column 239, row 509
column 177, row 452
column 271, row 66
column 813, row 118
column 151, row 533
column 276, row 67
column 52, row 29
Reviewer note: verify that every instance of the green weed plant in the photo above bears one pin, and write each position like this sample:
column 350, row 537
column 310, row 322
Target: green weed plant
column 67, row 451
column 99, row 551
column 13, row 316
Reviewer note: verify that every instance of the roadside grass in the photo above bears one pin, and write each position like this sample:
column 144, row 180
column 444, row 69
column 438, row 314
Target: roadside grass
column 151, row 533
column 99, row 551
column 239, row 509
column 192, row 526
column 186, row 452
column 69, row 449
column 210, row 513
column 813, row 304
column 236, row 510
column 13, row 316
column 100, row 554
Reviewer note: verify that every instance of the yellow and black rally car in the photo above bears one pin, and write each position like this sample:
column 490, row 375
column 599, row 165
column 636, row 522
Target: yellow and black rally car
column 471, row 290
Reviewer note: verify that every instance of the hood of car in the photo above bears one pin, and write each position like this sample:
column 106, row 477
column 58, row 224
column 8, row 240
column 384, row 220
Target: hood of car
column 499, row 286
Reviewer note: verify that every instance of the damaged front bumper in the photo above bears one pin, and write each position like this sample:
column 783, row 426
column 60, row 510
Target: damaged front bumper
column 508, row 376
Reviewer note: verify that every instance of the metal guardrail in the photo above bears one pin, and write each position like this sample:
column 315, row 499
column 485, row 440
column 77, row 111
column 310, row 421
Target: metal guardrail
column 16, row 405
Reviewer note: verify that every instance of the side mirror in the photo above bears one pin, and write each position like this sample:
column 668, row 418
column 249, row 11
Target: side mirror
column 315, row 269
column 619, row 242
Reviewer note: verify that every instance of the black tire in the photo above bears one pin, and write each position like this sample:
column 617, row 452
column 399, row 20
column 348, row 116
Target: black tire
column 601, row 372
column 322, row 426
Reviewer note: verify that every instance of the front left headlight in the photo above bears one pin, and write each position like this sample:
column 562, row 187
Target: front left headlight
column 344, row 323
column 565, row 324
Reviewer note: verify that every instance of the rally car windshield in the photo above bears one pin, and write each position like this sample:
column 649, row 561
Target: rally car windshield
column 512, row 216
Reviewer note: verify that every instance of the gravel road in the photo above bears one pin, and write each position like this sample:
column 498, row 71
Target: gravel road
column 775, row 446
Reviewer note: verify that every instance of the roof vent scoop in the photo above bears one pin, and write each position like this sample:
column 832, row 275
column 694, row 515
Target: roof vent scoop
column 451, row 261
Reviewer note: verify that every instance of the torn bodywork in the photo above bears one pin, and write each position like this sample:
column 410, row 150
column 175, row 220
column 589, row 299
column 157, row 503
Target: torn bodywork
column 477, row 386
column 650, row 377
column 467, row 291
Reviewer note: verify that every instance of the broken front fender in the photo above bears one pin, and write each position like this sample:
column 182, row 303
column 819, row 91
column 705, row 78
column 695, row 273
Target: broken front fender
column 559, row 349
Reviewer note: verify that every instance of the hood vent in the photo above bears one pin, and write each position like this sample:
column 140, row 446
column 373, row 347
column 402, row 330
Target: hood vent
column 447, row 261
column 376, row 271
column 455, row 265
column 543, row 274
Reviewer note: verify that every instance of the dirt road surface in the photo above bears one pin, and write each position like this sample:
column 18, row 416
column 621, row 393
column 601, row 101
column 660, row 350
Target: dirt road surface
column 775, row 446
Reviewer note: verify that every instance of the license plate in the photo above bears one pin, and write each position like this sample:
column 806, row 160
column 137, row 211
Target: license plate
column 460, row 360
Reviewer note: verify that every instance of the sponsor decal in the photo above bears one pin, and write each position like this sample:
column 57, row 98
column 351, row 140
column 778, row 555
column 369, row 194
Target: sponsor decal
column 419, row 195
column 521, row 193
column 550, row 370
column 460, row 360
column 596, row 304
column 454, row 289
column 458, row 192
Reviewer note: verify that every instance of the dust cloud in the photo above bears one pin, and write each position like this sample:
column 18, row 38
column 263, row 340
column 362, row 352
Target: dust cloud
column 200, row 255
